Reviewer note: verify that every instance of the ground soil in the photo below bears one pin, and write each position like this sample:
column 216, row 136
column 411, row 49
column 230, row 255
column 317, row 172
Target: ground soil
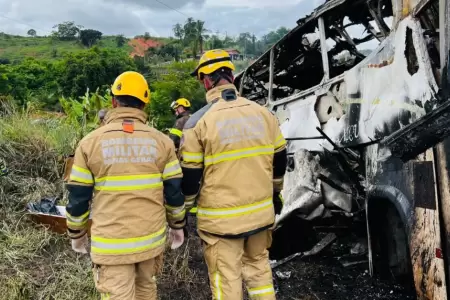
column 315, row 278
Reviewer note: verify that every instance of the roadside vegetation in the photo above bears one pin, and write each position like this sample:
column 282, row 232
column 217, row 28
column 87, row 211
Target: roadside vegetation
column 51, row 88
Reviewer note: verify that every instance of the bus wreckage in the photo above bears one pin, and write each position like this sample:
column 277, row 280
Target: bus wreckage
column 368, row 133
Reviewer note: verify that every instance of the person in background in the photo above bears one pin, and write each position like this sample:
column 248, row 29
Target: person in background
column 134, row 192
column 233, row 158
column 181, row 108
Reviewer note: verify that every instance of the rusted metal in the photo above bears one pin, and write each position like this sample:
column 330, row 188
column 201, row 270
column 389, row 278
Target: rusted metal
column 429, row 272
column 442, row 161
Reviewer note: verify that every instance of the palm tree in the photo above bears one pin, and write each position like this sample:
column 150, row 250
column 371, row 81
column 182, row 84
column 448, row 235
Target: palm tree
column 200, row 34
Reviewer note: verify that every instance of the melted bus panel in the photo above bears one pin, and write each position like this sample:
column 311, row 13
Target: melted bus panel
column 366, row 130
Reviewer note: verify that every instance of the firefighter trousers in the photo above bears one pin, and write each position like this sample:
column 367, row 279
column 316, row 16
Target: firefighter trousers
column 128, row 282
column 231, row 260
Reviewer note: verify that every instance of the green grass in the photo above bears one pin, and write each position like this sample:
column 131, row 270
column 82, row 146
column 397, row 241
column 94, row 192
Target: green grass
column 37, row 264
column 18, row 47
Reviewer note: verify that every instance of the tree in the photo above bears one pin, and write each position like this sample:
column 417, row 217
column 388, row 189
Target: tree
column 92, row 69
column 200, row 34
column 31, row 32
column 89, row 37
column 147, row 36
column 120, row 40
column 178, row 31
column 67, row 30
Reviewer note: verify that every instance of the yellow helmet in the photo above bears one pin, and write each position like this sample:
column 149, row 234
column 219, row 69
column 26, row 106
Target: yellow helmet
column 212, row 61
column 131, row 83
column 180, row 102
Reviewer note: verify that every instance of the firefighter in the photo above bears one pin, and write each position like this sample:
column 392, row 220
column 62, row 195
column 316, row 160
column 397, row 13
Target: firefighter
column 136, row 179
column 3, row 169
column 181, row 108
column 233, row 157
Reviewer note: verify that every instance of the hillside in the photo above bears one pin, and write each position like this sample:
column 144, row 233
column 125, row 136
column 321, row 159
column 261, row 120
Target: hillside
column 20, row 47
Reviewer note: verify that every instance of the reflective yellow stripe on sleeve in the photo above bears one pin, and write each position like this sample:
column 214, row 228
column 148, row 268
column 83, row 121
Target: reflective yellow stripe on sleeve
column 234, row 211
column 81, row 175
column 176, row 132
column 173, row 168
column 176, row 212
column 128, row 183
column 77, row 222
column 101, row 245
column 238, row 154
column 192, row 157
column 255, row 293
column 280, row 141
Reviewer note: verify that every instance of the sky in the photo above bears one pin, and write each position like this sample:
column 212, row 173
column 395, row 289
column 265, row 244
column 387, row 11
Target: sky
column 134, row 17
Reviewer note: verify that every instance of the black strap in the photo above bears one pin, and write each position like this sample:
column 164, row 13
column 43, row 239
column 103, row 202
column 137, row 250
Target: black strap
column 213, row 61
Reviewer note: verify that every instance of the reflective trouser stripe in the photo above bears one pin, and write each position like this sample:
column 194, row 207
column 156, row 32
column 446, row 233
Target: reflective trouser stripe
column 192, row 157
column 263, row 290
column 80, row 221
column 235, row 211
column 193, row 210
column 238, row 154
column 280, row 141
column 217, row 286
column 171, row 169
column 128, row 183
column 128, row 246
column 105, row 296
column 81, row 175
column 176, row 132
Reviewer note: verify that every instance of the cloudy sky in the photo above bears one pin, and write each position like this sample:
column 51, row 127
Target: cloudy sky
column 133, row 17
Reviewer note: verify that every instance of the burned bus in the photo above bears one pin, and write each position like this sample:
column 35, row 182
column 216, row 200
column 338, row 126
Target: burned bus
column 368, row 132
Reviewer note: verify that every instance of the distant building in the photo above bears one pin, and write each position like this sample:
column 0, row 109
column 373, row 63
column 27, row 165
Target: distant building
column 234, row 54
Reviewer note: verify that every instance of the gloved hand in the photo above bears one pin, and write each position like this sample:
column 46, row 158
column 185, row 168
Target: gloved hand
column 176, row 236
column 277, row 202
column 81, row 245
column 3, row 169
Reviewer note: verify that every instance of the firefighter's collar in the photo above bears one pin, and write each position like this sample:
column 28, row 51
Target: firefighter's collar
column 216, row 92
column 120, row 113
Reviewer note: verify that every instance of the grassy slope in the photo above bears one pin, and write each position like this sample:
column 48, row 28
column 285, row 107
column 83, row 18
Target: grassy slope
column 19, row 47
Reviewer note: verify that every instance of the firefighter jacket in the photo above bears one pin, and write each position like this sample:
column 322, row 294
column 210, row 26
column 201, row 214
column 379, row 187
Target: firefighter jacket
column 234, row 150
column 135, row 177
column 176, row 132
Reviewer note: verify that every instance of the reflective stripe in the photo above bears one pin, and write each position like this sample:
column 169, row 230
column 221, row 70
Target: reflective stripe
column 128, row 183
column 105, row 296
column 80, row 221
column 263, row 290
column 171, row 169
column 234, row 211
column 192, row 157
column 81, row 175
column 193, row 210
column 280, row 141
column 218, row 286
column 176, row 211
column 123, row 246
column 176, row 132
column 238, row 154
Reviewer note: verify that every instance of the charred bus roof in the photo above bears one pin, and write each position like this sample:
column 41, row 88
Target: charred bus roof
column 297, row 56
